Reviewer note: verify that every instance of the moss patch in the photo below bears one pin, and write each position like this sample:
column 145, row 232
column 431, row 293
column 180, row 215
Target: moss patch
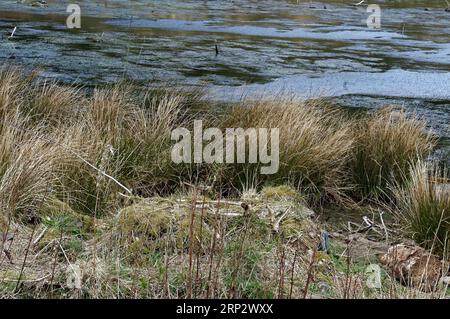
column 294, row 227
column 283, row 192
column 201, row 232
column 144, row 221
column 60, row 216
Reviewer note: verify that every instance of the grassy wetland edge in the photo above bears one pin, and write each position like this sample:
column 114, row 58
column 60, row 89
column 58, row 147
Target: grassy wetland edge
column 93, row 207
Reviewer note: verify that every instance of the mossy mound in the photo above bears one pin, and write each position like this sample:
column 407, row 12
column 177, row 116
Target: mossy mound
column 257, row 228
column 60, row 216
column 154, row 226
column 201, row 232
column 280, row 199
column 143, row 221
column 281, row 193
column 302, row 228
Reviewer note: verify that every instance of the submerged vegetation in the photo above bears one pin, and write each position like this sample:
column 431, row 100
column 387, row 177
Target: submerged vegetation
column 87, row 183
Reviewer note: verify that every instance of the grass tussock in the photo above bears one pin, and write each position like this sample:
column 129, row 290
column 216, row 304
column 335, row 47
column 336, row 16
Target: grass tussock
column 52, row 103
column 13, row 84
column 29, row 176
column 423, row 206
column 28, row 166
column 386, row 143
column 143, row 145
column 315, row 145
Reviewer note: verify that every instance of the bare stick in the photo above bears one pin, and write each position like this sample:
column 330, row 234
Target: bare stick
column 29, row 245
column 310, row 274
column 282, row 266
column 191, row 239
column 292, row 273
column 384, row 227
column 39, row 237
column 213, row 248
column 25, row 258
column 200, row 244
column 103, row 173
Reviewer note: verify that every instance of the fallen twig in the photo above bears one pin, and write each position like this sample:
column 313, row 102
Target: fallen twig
column 39, row 237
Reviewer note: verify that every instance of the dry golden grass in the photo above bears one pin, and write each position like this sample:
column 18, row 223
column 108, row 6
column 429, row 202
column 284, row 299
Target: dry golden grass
column 315, row 143
column 29, row 176
column 28, row 164
column 108, row 108
column 52, row 103
column 13, row 84
column 386, row 143
column 423, row 206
